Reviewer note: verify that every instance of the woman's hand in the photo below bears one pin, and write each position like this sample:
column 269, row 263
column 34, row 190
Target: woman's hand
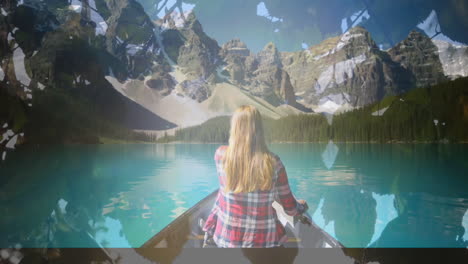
column 301, row 201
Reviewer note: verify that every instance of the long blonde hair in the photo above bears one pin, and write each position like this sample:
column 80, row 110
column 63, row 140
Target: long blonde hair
column 248, row 163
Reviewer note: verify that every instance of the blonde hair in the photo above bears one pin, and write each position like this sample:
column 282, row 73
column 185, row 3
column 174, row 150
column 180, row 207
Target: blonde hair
column 248, row 163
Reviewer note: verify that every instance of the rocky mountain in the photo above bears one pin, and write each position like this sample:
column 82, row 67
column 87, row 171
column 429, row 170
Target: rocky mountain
column 239, row 60
column 261, row 74
column 130, row 37
column 420, row 56
column 269, row 80
column 345, row 70
column 187, row 45
column 54, row 56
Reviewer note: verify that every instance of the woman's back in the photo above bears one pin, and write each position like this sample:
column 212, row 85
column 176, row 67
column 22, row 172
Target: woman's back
column 247, row 219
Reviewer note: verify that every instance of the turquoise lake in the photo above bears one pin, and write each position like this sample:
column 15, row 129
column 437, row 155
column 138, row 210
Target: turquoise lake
column 365, row 195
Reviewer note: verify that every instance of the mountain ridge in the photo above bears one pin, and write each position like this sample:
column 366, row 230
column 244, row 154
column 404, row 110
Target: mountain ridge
column 357, row 74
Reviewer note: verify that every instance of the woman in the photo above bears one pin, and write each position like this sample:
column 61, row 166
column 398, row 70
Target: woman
column 251, row 178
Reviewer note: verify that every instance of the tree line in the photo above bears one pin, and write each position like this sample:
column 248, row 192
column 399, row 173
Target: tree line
column 428, row 114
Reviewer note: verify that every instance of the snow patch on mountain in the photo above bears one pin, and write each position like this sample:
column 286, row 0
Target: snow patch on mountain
column 318, row 57
column 133, row 49
column 348, row 36
column 7, row 135
column 344, row 40
column 344, row 69
column 454, row 58
column 11, row 144
column 20, row 70
column 324, row 79
column 339, row 98
column 177, row 17
column 380, row 112
column 337, row 73
column 101, row 25
column 75, row 6
column 327, row 107
column 40, row 86
column 10, row 37
column 333, row 103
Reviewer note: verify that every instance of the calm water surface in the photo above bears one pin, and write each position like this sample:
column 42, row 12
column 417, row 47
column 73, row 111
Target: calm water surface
column 365, row 195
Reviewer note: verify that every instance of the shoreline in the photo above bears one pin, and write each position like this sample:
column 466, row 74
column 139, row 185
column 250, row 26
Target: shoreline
column 110, row 141
column 322, row 142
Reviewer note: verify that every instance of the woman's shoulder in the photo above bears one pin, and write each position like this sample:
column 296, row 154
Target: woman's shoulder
column 278, row 162
column 275, row 156
column 222, row 148
column 220, row 152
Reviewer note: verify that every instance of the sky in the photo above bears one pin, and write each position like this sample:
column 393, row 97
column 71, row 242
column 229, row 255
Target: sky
column 297, row 24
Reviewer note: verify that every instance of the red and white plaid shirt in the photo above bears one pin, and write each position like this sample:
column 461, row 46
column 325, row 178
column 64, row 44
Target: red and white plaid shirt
column 248, row 219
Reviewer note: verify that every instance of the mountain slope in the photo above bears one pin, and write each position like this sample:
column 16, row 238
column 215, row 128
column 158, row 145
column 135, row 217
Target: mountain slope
column 184, row 111
column 52, row 60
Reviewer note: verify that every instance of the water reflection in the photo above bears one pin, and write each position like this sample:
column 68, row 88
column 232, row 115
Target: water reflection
column 110, row 196
column 386, row 212
column 109, row 233
column 365, row 195
column 385, row 195
column 353, row 212
column 319, row 219
column 465, row 226
column 426, row 220
column 329, row 155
